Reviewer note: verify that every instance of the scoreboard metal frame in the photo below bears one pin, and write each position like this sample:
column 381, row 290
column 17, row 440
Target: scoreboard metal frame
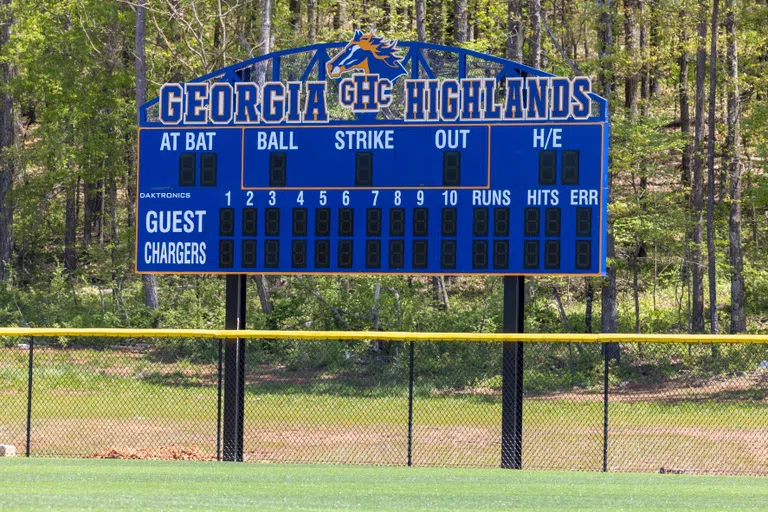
column 295, row 216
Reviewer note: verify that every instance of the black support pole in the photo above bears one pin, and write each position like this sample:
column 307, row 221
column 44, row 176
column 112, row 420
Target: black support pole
column 29, row 392
column 234, row 370
column 605, row 408
column 512, row 375
column 410, row 404
column 218, row 401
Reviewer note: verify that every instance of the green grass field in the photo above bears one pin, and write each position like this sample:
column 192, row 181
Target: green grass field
column 66, row 484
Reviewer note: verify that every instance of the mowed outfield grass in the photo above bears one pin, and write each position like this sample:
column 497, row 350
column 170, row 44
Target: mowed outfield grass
column 63, row 484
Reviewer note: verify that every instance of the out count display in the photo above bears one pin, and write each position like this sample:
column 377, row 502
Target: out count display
column 524, row 198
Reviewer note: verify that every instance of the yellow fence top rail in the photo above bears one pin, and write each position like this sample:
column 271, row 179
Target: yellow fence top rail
column 21, row 332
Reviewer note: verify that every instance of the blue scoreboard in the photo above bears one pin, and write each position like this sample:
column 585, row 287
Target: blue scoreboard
column 389, row 172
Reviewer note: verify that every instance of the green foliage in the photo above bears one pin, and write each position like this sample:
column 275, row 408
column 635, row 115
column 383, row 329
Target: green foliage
column 74, row 86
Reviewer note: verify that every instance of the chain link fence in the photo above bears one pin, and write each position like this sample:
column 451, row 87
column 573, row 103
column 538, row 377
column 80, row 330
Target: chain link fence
column 691, row 408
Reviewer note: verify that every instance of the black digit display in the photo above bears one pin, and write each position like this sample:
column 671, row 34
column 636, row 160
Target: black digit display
column 547, row 167
column 278, row 162
column 226, row 253
column 364, row 169
column 552, row 254
column 373, row 254
column 271, row 253
column 448, row 254
column 532, row 222
column 570, row 167
column 500, row 254
column 531, row 254
column 420, row 222
column 449, row 222
column 480, row 254
column 208, row 167
column 322, row 253
column 345, row 253
column 396, row 254
column 249, row 254
column 451, row 168
column 323, row 222
column 397, row 222
column 373, row 222
column 501, row 222
column 420, row 248
column 553, row 222
column 583, row 221
column 272, row 222
column 227, row 222
column 187, row 170
column 480, row 221
column 346, row 221
column 249, row 221
column 299, row 254
column 583, row 254
column 299, row 222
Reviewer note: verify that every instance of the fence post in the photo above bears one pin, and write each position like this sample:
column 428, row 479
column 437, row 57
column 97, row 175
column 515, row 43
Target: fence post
column 512, row 375
column 218, row 406
column 605, row 408
column 234, row 369
column 410, row 403
column 29, row 392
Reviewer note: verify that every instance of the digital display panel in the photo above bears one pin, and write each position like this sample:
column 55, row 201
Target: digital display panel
column 187, row 170
column 250, row 221
column 493, row 198
column 208, row 169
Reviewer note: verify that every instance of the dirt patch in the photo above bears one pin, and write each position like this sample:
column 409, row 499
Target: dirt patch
column 164, row 453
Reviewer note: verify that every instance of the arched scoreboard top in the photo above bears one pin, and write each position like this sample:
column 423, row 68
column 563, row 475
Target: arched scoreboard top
column 374, row 157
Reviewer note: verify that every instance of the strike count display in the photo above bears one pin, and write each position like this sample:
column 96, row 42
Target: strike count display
column 399, row 199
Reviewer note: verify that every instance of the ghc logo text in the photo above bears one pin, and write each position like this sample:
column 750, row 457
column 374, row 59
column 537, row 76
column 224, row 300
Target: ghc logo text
column 375, row 64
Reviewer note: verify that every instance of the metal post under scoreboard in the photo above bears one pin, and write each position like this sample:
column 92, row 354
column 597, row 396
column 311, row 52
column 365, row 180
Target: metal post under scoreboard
column 512, row 375
column 234, row 369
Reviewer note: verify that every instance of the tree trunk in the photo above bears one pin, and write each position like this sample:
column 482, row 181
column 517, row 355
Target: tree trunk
column 535, row 41
column 435, row 22
column 8, row 137
column 588, row 307
column 515, row 30
column 70, row 228
column 441, row 293
column 654, row 88
column 609, row 314
column 294, row 6
column 685, row 110
column 148, row 280
column 312, row 28
column 645, row 76
column 460, row 22
column 685, row 173
column 697, row 186
column 266, row 26
column 605, row 46
column 421, row 29
column 711, row 268
column 733, row 164
column 630, row 44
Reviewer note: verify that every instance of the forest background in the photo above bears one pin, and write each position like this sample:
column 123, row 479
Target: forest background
column 687, row 83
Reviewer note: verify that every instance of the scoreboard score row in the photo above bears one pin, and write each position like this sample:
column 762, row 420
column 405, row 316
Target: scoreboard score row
column 398, row 199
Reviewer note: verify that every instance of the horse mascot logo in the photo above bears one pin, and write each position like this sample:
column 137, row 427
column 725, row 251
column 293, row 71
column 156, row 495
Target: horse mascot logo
column 370, row 54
